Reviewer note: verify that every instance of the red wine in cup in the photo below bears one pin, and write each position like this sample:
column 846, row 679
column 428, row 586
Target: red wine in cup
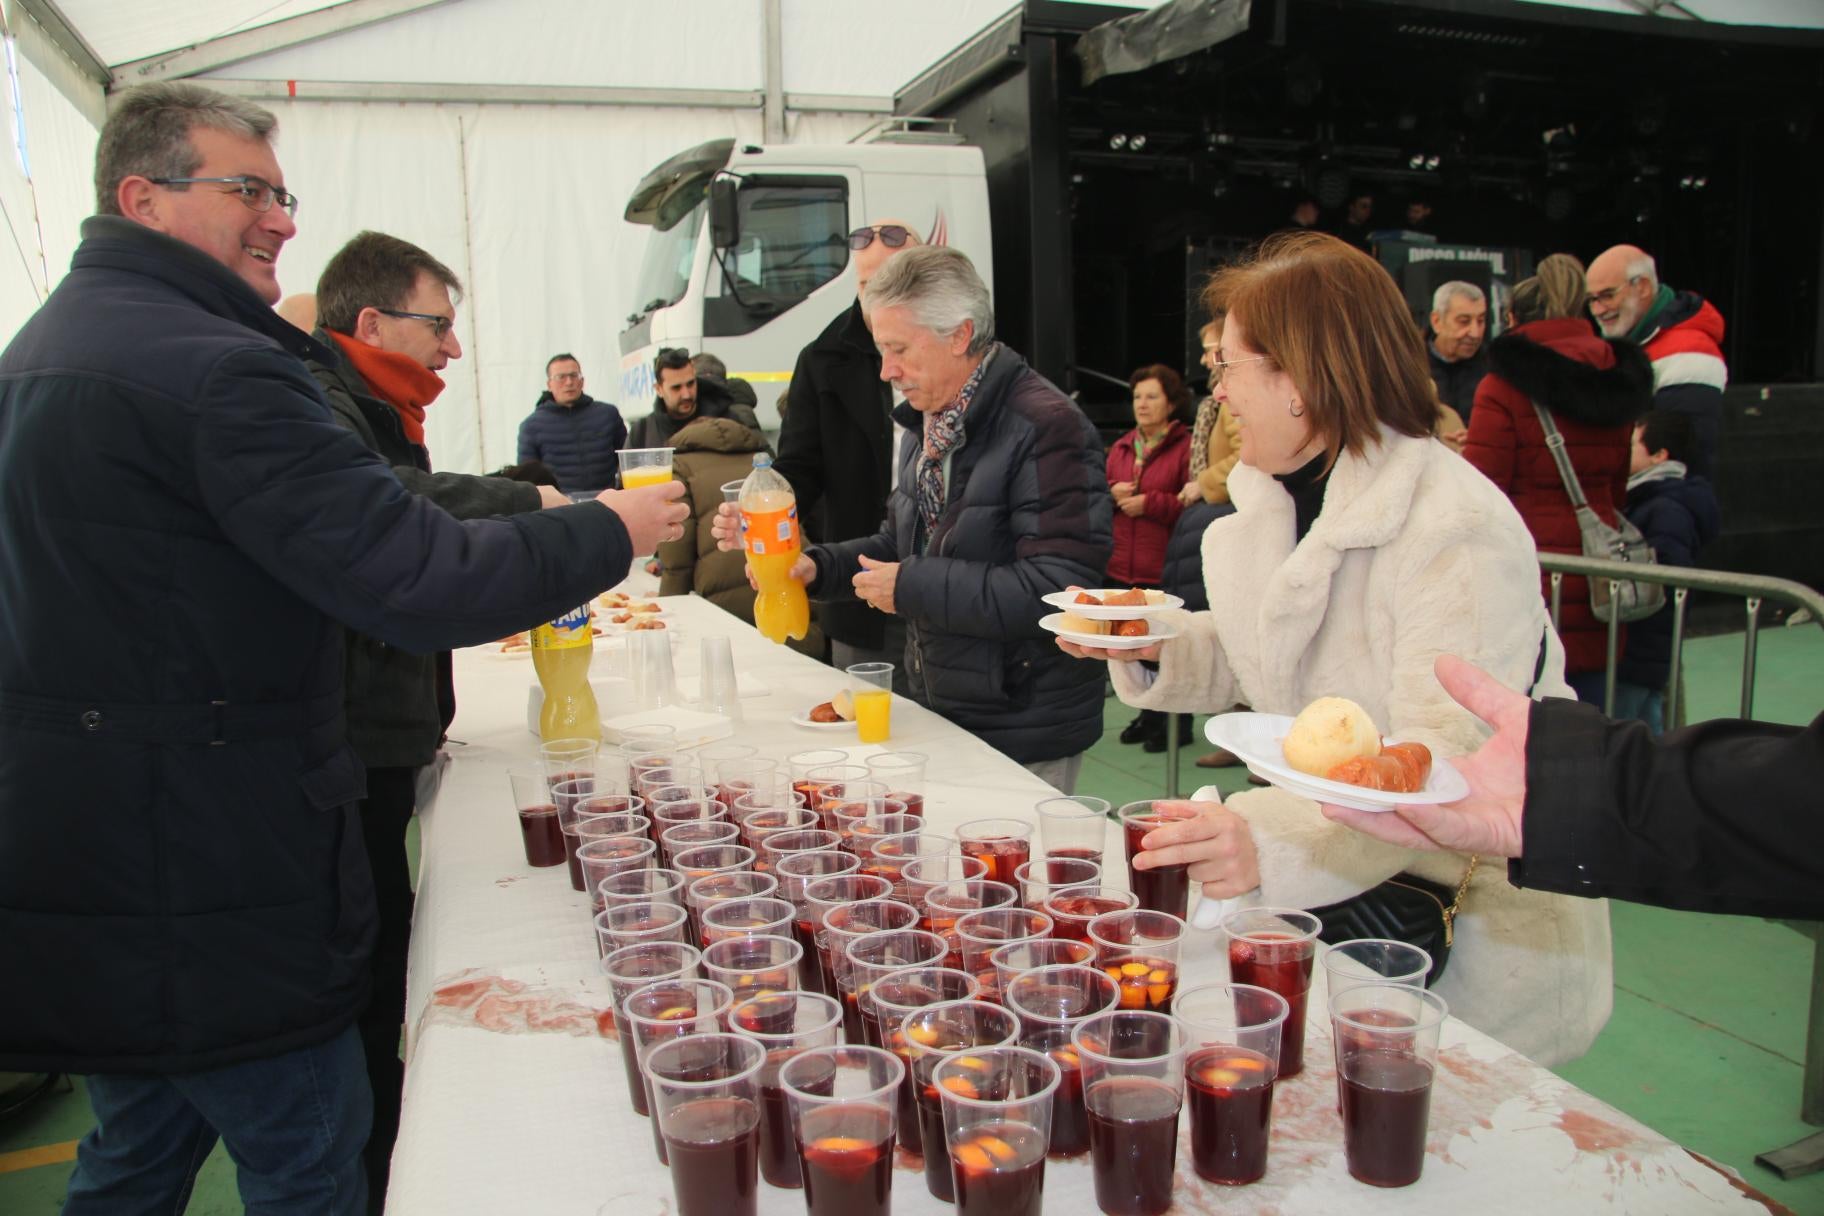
column 1000, row 1170
column 847, row 1157
column 714, row 1145
column 542, row 835
column 1133, row 1139
column 1002, row 855
column 1386, row 1103
column 1282, row 963
column 1162, row 888
column 1230, row 1093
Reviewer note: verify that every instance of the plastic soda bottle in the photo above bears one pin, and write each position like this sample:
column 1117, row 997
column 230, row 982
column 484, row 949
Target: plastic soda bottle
column 561, row 653
column 769, row 531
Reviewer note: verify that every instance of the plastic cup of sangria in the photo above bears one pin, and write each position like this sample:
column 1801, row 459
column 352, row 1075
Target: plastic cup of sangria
column 868, row 958
column 1074, row 826
column 903, row 773
column 696, row 834
column 934, row 1034
column 758, row 824
column 800, row 765
column 1004, row 845
column 1232, row 1034
column 630, row 924
column 843, row 1122
column 861, row 822
column 1037, row 880
column 568, row 759
column 1073, row 908
column 759, row 916
column 998, row 1109
column 925, row 874
column 720, row 887
column 1276, row 948
column 785, row 1023
column 794, row 872
column 1139, row 950
column 844, row 923
column 1375, row 960
column 826, row 785
column 894, row 996
column 1386, row 1039
column 539, row 830
column 829, row 891
column 650, row 771
column 753, row 966
column 568, row 795
column 650, row 884
column 888, row 856
column 1133, row 1086
column 587, row 827
column 629, row 969
column 1050, row 1003
column 748, row 777
column 1160, row 888
column 946, row 905
column 609, row 855
column 664, row 1010
column 706, row 1094
column 1014, row 957
column 980, row 934
column 724, row 764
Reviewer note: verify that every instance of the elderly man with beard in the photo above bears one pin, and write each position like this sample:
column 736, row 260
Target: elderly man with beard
column 1001, row 499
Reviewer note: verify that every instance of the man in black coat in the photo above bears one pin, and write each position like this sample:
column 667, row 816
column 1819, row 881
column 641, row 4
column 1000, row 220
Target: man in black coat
column 836, row 448
column 186, row 911
column 387, row 324
column 1716, row 817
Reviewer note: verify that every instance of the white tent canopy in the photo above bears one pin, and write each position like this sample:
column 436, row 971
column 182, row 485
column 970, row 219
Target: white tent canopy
column 503, row 136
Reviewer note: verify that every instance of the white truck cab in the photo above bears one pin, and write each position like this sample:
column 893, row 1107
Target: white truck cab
column 748, row 256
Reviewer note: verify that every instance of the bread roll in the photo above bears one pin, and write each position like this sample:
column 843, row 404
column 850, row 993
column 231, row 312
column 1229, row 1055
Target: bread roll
column 844, row 705
column 1329, row 732
column 1070, row 622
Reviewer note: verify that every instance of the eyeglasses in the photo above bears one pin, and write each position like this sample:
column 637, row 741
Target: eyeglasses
column 441, row 326
column 1608, row 295
column 258, row 193
column 891, row 235
column 1219, row 366
column 563, row 377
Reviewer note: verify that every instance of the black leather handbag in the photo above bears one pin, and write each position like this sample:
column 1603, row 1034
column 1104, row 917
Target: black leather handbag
column 1405, row 908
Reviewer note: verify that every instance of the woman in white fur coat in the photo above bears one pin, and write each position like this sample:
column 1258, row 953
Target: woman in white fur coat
column 1360, row 550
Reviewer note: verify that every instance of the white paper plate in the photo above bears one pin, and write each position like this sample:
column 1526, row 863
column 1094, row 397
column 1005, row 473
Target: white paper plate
column 1109, row 612
column 1257, row 739
column 803, row 718
column 1106, row 641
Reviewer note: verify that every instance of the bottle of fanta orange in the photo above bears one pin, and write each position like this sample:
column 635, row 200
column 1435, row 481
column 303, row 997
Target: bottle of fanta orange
column 769, row 530
column 561, row 654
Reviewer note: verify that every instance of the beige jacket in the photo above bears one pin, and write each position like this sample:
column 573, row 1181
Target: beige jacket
column 1225, row 453
column 1414, row 554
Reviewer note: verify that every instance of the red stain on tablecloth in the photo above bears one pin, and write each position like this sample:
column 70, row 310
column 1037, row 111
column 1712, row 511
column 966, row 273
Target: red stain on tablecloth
column 1593, row 1135
column 505, row 1006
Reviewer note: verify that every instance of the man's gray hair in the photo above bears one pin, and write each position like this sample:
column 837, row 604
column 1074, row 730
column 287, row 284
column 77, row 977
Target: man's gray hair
column 1446, row 292
column 148, row 134
column 940, row 287
column 1643, row 267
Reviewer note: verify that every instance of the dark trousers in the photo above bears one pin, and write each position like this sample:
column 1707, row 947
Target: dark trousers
column 391, row 797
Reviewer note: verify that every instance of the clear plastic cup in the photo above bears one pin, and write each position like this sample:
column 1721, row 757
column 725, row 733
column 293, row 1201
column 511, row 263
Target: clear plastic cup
column 866, row 959
column 637, row 886
column 947, row 904
column 629, row 924
column 539, row 830
column 1051, row 1002
column 871, row 686
column 980, row 934
column 706, row 1093
column 1004, row 845
column 1139, row 950
column 644, row 467
column 1073, row 908
column 1016, row 957
column 1232, row 1036
column 1074, row 826
column 1375, row 960
column 1386, row 1038
column 997, row 1107
column 785, row 1023
column 1275, row 948
column 667, row 1010
column 1133, row 1087
column 720, row 887
column 753, row 966
column 762, row 916
column 611, row 855
column 693, row 835
column 843, row 1118
column 1159, row 888
column 903, row 773
column 1037, row 880
column 934, row 1034
column 628, row 970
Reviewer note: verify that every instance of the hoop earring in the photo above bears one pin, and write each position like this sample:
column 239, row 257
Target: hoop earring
column 1292, row 409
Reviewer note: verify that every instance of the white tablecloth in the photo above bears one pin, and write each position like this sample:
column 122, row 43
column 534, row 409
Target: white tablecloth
column 514, row 1103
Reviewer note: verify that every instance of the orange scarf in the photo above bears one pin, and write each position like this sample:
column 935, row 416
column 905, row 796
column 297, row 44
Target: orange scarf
column 405, row 385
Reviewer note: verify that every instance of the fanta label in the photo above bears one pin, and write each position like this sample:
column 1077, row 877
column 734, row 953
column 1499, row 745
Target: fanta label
column 772, row 533
column 566, row 632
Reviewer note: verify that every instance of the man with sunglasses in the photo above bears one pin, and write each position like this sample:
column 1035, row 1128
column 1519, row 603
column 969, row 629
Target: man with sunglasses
column 1683, row 336
column 836, row 447
column 186, row 909
column 386, row 319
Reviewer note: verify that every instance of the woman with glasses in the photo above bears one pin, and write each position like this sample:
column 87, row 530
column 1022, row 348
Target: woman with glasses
column 1361, row 548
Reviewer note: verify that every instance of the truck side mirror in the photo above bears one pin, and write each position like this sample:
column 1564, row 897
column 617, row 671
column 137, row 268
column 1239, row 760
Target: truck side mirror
column 724, row 217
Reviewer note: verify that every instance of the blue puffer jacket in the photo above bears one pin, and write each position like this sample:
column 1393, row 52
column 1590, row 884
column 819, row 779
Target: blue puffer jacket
column 1027, row 513
column 1678, row 516
column 580, row 443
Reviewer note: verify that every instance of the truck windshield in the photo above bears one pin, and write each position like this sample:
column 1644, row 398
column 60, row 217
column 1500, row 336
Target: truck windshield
column 792, row 241
column 665, row 270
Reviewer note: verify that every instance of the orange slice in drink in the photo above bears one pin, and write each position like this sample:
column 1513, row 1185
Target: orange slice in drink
column 971, row 1156
column 840, row 1144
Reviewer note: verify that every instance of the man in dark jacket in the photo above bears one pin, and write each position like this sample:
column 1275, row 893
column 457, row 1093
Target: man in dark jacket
column 679, row 403
column 1003, row 502
column 1682, row 334
column 1587, row 806
column 1678, row 514
column 836, row 448
column 186, row 911
column 387, row 326
column 574, row 435
column 1456, row 355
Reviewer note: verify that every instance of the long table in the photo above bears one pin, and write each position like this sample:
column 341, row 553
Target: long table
column 515, row 1102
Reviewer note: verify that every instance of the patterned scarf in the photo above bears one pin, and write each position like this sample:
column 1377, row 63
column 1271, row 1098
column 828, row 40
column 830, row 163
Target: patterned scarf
column 943, row 435
column 1200, row 435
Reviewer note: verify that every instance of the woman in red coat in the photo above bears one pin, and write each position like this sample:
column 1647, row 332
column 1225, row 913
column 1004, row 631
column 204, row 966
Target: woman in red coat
column 1595, row 390
column 1147, row 469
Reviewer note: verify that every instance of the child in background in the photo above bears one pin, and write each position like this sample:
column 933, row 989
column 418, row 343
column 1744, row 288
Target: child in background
column 1678, row 513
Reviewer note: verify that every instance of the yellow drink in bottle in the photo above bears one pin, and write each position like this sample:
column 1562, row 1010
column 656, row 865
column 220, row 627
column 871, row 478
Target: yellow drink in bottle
column 769, row 530
column 561, row 654
column 873, row 714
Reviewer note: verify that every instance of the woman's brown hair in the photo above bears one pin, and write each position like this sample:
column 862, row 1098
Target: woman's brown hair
column 1170, row 383
column 1327, row 315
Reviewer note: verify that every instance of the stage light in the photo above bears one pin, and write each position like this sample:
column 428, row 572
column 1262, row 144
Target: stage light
column 1137, row 143
column 1117, row 141
column 1431, row 163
